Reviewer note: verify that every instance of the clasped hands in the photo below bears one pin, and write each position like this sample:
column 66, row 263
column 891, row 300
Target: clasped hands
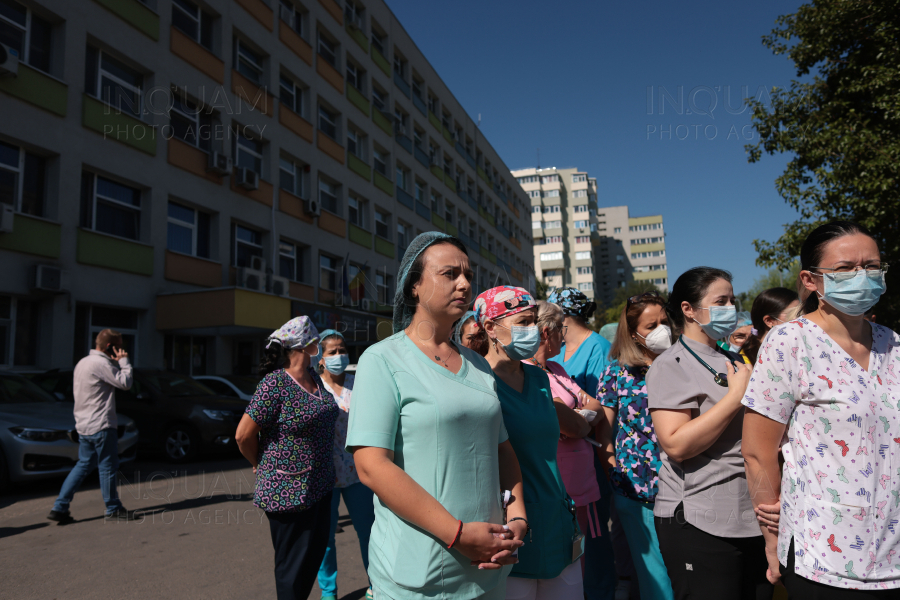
column 490, row 546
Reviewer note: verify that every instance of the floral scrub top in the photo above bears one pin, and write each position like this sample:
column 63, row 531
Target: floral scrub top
column 636, row 473
column 296, row 468
column 344, row 467
column 840, row 488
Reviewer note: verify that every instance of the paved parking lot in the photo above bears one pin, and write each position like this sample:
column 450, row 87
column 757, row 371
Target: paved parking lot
column 199, row 536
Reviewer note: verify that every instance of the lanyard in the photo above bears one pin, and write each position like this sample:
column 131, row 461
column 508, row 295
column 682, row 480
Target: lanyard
column 719, row 378
column 558, row 380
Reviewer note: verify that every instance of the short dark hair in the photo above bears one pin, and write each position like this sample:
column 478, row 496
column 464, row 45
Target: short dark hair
column 418, row 266
column 690, row 287
column 814, row 248
column 769, row 303
column 106, row 337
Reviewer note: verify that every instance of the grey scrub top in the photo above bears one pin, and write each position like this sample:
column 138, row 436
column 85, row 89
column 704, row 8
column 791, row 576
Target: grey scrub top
column 713, row 484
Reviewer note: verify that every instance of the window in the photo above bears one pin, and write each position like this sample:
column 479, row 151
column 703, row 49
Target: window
column 91, row 320
column 648, row 227
column 579, row 178
column 535, row 209
column 328, row 122
column 193, row 22
column 290, row 263
column 358, row 212
column 549, row 178
column 110, row 207
column 552, row 224
column 249, row 63
column 620, row 258
column 553, row 239
column 356, row 143
column 113, row 82
column 328, row 50
column 536, row 224
column 191, row 123
column 582, row 239
column 353, row 14
column 291, row 94
column 584, row 270
column 247, row 244
column 586, row 286
column 534, row 194
column 399, row 65
column 328, row 196
column 583, row 255
column 528, row 179
column 379, row 99
column 22, row 180
column 19, row 331
column 551, row 256
column 550, row 273
column 651, row 240
column 417, row 87
column 581, row 209
column 418, row 138
column 579, row 194
column 617, row 230
column 403, row 236
column 247, row 152
column 382, row 223
column 25, row 32
column 383, row 288
column 378, row 42
column 551, row 209
column 581, row 224
column 435, row 201
column 551, row 194
column 433, row 103
column 328, row 268
column 448, row 212
column 294, row 17
column 356, row 76
column 188, row 231
column 380, row 161
column 292, row 177
column 648, row 254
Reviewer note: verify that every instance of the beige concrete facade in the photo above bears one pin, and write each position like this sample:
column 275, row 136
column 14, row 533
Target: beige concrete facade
column 340, row 144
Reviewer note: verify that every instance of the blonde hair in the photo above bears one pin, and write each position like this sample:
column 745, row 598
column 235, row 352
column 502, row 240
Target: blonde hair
column 625, row 349
column 550, row 316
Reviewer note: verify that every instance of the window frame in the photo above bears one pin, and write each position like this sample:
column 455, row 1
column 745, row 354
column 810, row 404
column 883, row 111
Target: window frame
column 245, row 55
column 237, row 242
column 20, row 171
column 256, row 152
column 97, row 198
column 333, row 48
column 334, row 192
column 203, row 20
column 287, row 84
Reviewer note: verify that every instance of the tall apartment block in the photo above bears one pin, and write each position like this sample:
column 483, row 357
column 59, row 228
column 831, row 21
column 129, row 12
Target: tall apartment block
column 578, row 244
column 195, row 173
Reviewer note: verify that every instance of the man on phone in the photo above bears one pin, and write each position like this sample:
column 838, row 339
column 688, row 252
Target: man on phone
column 95, row 380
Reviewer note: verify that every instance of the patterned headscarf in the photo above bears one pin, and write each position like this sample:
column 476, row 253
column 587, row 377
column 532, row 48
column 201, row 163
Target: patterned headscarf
column 299, row 332
column 573, row 302
column 405, row 308
column 501, row 301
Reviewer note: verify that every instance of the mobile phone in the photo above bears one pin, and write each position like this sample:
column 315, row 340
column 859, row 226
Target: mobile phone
column 111, row 350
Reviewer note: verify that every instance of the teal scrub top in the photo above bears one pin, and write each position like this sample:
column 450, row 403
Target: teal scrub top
column 588, row 363
column 533, row 429
column 444, row 430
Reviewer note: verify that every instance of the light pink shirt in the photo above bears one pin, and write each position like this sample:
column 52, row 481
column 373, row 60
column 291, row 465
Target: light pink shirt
column 575, row 457
column 94, row 384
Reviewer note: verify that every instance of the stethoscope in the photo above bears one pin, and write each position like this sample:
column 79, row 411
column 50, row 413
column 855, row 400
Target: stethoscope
column 719, row 378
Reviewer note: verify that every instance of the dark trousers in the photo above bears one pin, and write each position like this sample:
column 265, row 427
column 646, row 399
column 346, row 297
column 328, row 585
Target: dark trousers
column 701, row 565
column 801, row 588
column 299, row 539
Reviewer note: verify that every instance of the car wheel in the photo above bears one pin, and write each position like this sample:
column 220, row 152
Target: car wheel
column 4, row 474
column 180, row 443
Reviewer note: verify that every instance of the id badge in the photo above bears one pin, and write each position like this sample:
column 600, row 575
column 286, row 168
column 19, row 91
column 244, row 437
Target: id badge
column 577, row 546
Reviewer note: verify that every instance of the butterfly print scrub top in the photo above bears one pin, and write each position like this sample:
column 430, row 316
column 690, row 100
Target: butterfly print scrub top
column 840, row 489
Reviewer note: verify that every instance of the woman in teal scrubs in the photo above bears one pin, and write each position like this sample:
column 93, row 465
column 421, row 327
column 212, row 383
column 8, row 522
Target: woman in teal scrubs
column 427, row 434
column 548, row 567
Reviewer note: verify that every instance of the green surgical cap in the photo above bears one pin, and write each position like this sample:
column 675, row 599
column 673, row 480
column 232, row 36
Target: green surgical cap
column 405, row 308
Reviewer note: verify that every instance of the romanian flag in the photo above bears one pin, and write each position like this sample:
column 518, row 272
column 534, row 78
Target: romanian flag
column 358, row 287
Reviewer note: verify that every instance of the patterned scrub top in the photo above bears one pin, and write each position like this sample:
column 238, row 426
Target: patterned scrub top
column 296, row 468
column 636, row 473
column 840, row 488
column 344, row 467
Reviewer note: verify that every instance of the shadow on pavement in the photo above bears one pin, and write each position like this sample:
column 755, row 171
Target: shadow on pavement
column 11, row 531
column 356, row 595
column 191, row 503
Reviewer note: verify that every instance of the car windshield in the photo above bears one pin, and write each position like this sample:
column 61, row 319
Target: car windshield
column 173, row 384
column 245, row 383
column 18, row 390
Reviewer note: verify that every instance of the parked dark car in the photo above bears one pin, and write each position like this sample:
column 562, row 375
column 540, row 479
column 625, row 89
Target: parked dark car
column 178, row 417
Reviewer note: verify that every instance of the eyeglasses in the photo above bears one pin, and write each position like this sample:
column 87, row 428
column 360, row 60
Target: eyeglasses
column 640, row 297
column 845, row 268
column 564, row 329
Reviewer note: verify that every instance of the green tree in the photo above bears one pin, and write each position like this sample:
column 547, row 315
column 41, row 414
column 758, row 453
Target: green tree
column 841, row 122
column 610, row 313
column 542, row 290
column 774, row 277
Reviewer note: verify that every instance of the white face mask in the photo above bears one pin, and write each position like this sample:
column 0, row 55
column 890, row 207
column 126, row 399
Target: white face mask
column 658, row 341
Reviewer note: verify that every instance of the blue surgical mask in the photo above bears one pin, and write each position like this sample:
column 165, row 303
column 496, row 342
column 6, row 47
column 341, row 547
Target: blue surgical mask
column 722, row 321
column 526, row 339
column 853, row 293
column 337, row 364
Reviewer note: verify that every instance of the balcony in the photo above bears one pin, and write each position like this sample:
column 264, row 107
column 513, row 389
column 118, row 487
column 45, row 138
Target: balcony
column 259, row 10
column 379, row 59
column 384, row 184
column 422, row 157
column 358, row 100
column 405, row 199
column 33, row 235
column 432, row 118
column 420, row 104
column 358, row 36
column 294, row 42
column 227, row 307
column 37, row 88
column 113, row 124
column 383, row 246
column 382, row 121
column 329, row 73
column 402, row 85
column 360, row 236
column 359, row 166
column 110, row 252
column 192, row 270
column 136, row 14
column 404, row 142
column 423, row 211
column 196, row 55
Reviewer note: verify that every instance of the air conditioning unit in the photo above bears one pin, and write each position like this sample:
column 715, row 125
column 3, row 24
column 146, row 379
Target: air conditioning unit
column 7, row 217
column 9, row 61
column 366, row 304
column 281, row 286
column 247, row 179
column 258, row 263
column 48, row 278
column 219, row 164
column 251, row 279
column 312, row 207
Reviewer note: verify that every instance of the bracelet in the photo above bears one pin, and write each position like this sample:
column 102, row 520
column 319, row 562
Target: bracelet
column 527, row 526
column 456, row 539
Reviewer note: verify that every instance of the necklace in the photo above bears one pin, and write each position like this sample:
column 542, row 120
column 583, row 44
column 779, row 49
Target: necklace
column 441, row 360
column 719, row 378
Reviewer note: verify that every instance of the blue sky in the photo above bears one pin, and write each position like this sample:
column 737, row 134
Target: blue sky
column 572, row 79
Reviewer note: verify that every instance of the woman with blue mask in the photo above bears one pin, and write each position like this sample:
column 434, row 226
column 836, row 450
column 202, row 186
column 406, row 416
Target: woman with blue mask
column 704, row 518
column 548, row 565
column 332, row 365
column 743, row 329
column 825, row 392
